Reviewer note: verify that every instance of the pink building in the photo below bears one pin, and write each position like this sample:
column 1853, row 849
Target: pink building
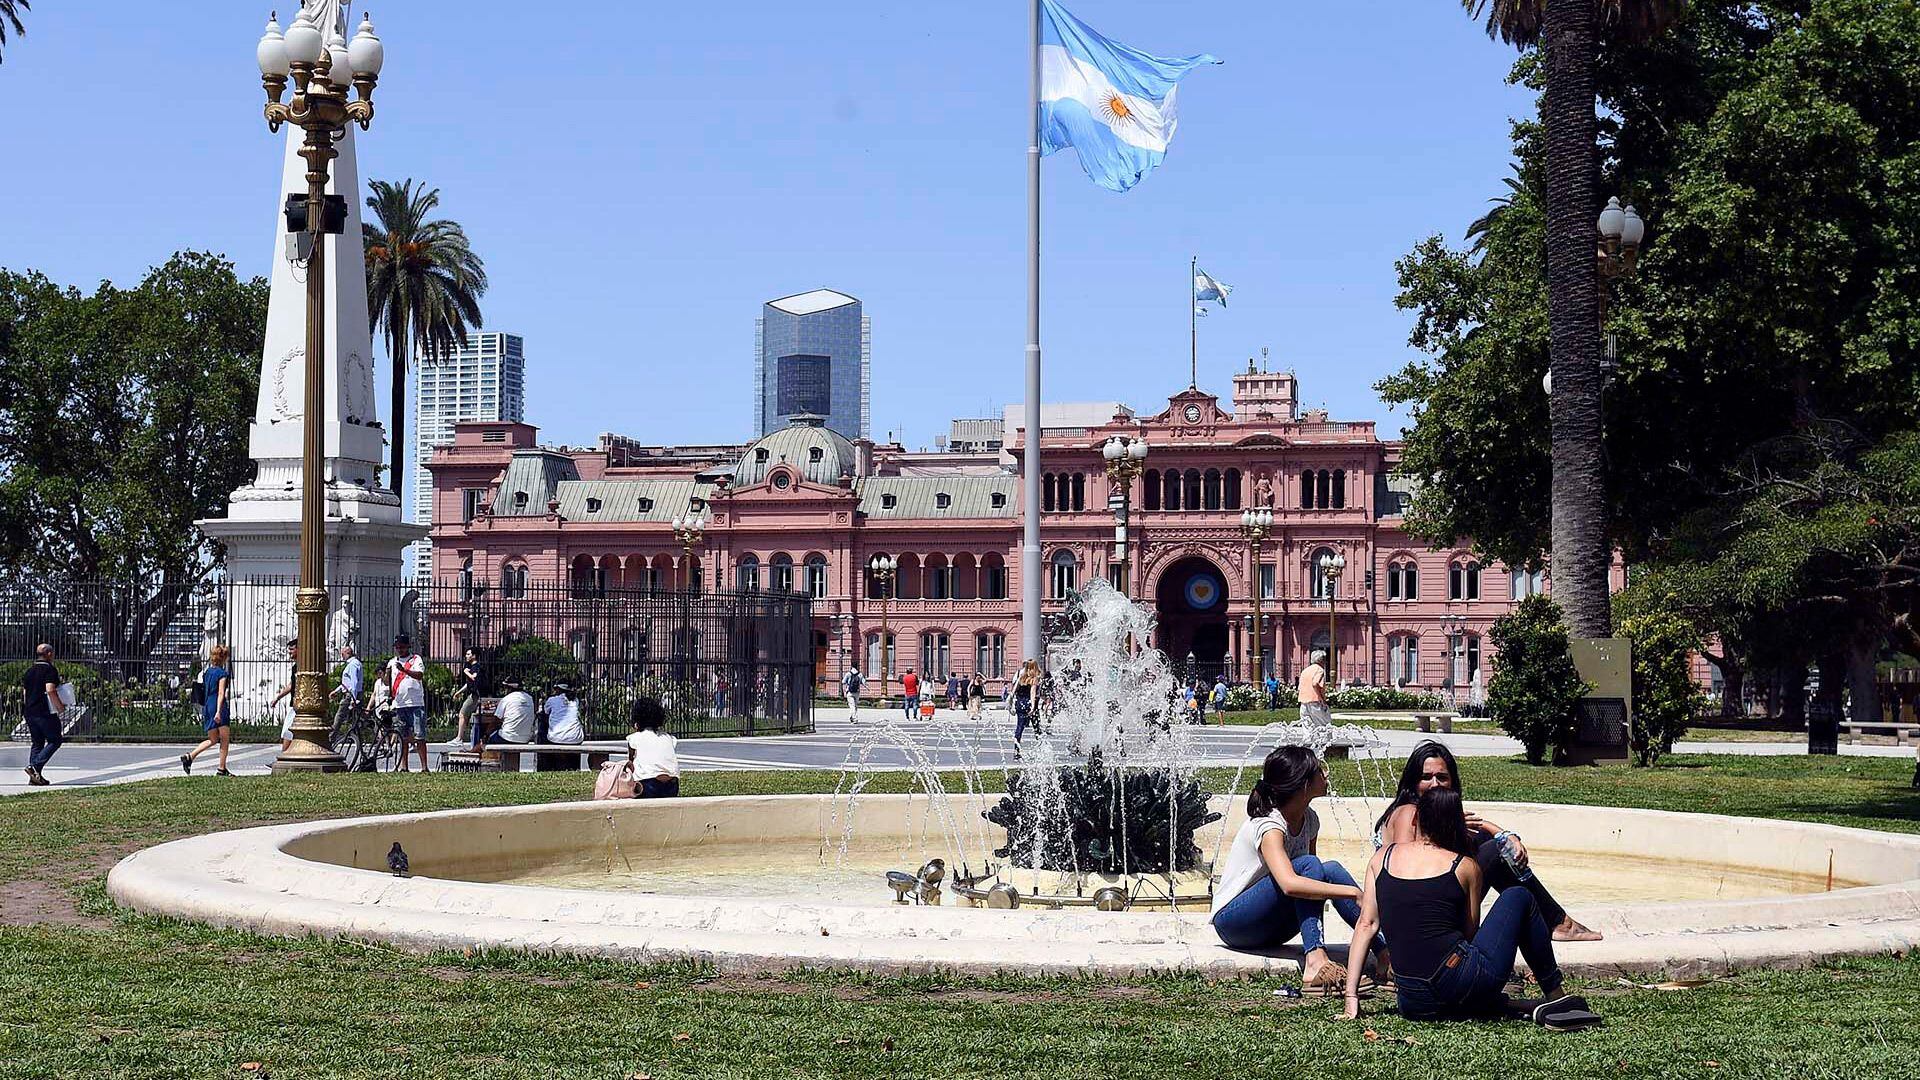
column 805, row 509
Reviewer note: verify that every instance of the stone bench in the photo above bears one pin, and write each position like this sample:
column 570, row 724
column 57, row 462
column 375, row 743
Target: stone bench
column 1902, row 733
column 505, row 757
column 1425, row 721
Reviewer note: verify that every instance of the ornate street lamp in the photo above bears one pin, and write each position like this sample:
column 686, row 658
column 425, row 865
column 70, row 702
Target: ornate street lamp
column 1333, row 568
column 1125, row 458
column 883, row 567
column 1621, row 230
column 1256, row 525
column 322, row 67
column 690, row 530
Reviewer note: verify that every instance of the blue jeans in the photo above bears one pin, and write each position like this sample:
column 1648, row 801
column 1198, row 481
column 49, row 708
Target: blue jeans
column 1263, row 917
column 655, row 788
column 1022, row 712
column 1472, row 981
column 45, row 738
column 913, row 705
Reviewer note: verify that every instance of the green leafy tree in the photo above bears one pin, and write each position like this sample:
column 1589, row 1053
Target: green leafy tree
column 424, row 285
column 122, row 421
column 1567, row 31
column 1665, row 697
column 10, row 16
column 1535, row 684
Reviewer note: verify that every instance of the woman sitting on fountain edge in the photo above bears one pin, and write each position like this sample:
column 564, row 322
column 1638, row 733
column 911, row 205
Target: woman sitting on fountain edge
column 1431, row 766
column 1274, row 884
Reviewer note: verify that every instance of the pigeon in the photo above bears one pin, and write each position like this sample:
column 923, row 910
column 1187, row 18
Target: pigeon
column 397, row 860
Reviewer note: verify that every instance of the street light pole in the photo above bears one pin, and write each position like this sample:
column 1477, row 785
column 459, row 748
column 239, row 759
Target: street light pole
column 1125, row 458
column 322, row 66
column 883, row 568
column 1257, row 524
column 1334, row 568
column 690, row 530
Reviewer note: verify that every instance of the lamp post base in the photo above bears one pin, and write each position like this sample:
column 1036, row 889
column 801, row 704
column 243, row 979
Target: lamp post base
column 304, row 756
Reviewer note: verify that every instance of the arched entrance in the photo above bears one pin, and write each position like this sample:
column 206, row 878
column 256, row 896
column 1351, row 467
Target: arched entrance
column 1191, row 600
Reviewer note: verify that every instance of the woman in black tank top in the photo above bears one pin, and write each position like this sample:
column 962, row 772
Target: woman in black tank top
column 1447, row 962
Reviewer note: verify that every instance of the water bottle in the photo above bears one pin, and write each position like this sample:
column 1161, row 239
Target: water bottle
column 1510, row 851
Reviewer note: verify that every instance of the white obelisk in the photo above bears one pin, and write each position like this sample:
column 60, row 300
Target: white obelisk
column 364, row 531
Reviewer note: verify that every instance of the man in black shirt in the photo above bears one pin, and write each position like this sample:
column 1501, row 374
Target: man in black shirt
column 43, row 708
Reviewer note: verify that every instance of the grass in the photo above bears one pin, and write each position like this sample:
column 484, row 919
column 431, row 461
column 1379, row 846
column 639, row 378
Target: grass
column 140, row 997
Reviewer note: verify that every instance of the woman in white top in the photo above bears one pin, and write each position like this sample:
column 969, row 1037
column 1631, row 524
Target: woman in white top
column 650, row 750
column 563, row 718
column 1274, row 884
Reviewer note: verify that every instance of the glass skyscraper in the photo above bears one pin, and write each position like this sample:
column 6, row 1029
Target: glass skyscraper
column 813, row 354
column 482, row 380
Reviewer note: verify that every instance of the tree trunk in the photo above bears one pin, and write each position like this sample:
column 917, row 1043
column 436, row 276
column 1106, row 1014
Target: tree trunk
column 1733, row 684
column 397, row 349
column 1792, row 682
column 1863, row 693
column 1581, row 554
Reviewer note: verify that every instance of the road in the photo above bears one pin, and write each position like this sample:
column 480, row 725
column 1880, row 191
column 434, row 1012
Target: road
column 834, row 744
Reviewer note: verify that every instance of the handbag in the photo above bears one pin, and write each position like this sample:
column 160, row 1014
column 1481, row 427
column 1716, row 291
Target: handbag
column 616, row 781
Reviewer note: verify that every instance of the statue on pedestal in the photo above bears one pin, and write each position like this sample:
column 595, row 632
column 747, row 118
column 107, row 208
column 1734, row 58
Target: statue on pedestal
column 213, row 626
column 344, row 630
column 1263, row 491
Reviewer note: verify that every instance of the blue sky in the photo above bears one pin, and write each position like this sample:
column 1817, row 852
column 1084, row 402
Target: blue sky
column 640, row 176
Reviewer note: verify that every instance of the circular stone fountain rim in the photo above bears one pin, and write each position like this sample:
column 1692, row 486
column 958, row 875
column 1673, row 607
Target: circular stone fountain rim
column 246, row 879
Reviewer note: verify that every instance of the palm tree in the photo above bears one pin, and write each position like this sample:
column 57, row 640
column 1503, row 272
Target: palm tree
column 1568, row 31
column 423, row 289
column 10, row 16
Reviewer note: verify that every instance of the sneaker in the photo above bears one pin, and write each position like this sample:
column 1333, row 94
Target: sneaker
column 34, row 779
column 186, row 764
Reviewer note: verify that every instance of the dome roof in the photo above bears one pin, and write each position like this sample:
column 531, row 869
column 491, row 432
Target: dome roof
column 821, row 454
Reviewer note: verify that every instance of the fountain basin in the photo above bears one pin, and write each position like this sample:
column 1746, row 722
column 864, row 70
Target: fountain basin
column 740, row 882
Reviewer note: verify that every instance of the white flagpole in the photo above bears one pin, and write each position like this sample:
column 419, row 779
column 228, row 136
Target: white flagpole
column 1193, row 323
column 1030, row 644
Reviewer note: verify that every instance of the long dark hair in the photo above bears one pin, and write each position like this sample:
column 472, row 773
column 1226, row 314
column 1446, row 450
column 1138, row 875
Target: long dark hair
column 1287, row 770
column 1411, row 776
column 1442, row 822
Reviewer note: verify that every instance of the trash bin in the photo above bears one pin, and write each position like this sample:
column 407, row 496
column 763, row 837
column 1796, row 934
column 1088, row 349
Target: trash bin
column 1823, row 727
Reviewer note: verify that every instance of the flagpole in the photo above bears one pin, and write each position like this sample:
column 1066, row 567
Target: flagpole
column 1193, row 323
column 1030, row 544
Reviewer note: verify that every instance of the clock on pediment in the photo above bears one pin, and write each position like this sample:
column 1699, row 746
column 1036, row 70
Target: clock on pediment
column 1191, row 413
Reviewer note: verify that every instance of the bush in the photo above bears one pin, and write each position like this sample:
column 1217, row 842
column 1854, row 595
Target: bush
column 1535, row 685
column 1375, row 698
column 1244, row 698
column 1664, row 694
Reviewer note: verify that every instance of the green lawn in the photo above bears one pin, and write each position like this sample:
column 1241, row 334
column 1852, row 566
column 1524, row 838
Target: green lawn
column 138, row 997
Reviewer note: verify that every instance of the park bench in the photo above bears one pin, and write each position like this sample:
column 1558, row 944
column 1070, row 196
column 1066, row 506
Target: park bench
column 505, row 757
column 1902, row 733
column 1425, row 721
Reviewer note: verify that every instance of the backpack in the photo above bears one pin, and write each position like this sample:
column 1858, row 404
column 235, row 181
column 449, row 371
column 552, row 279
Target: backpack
column 615, row 781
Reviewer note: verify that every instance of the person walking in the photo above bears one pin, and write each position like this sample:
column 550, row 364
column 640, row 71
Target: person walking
column 45, row 713
column 910, row 691
column 1313, row 689
column 976, row 696
column 406, row 674
column 1218, row 698
column 286, row 694
column 1273, row 692
column 352, row 677
column 1026, row 688
column 216, row 711
column 468, row 693
column 850, row 685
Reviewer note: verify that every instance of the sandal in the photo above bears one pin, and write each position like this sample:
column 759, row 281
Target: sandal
column 1331, row 981
column 222, row 772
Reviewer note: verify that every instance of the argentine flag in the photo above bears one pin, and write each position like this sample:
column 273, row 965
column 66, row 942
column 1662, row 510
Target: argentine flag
column 1110, row 102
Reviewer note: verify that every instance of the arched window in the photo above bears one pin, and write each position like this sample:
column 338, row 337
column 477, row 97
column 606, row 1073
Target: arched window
column 993, row 577
column 1079, row 491
column 1403, row 659
column 1150, row 490
column 1463, row 658
column 966, row 577
column 817, row 576
column 1522, row 584
column 780, row 573
column 513, row 581
column 872, row 666
column 1339, row 489
column 1190, row 495
column 990, row 654
column 746, row 574
column 1463, row 581
column 1230, row 496
column 1065, row 574
column 1322, row 489
column 1046, row 492
column 936, row 655
column 1403, row 580
column 939, row 577
column 1306, row 490
column 1171, row 483
column 907, row 583
column 466, row 579
column 1322, row 583
column 1210, row 489
column 580, row 577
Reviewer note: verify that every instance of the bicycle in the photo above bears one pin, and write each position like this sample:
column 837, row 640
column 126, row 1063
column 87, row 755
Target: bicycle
column 366, row 740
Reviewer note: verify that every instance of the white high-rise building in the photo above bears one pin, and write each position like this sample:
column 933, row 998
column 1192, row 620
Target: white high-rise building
column 482, row 380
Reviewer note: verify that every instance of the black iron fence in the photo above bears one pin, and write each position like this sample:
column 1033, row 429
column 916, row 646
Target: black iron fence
column 722, row 663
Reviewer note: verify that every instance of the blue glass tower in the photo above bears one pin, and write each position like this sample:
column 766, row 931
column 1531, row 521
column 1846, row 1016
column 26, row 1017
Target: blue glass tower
column 813, row 355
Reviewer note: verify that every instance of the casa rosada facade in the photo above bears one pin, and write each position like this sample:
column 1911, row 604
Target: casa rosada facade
column 806, row 509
